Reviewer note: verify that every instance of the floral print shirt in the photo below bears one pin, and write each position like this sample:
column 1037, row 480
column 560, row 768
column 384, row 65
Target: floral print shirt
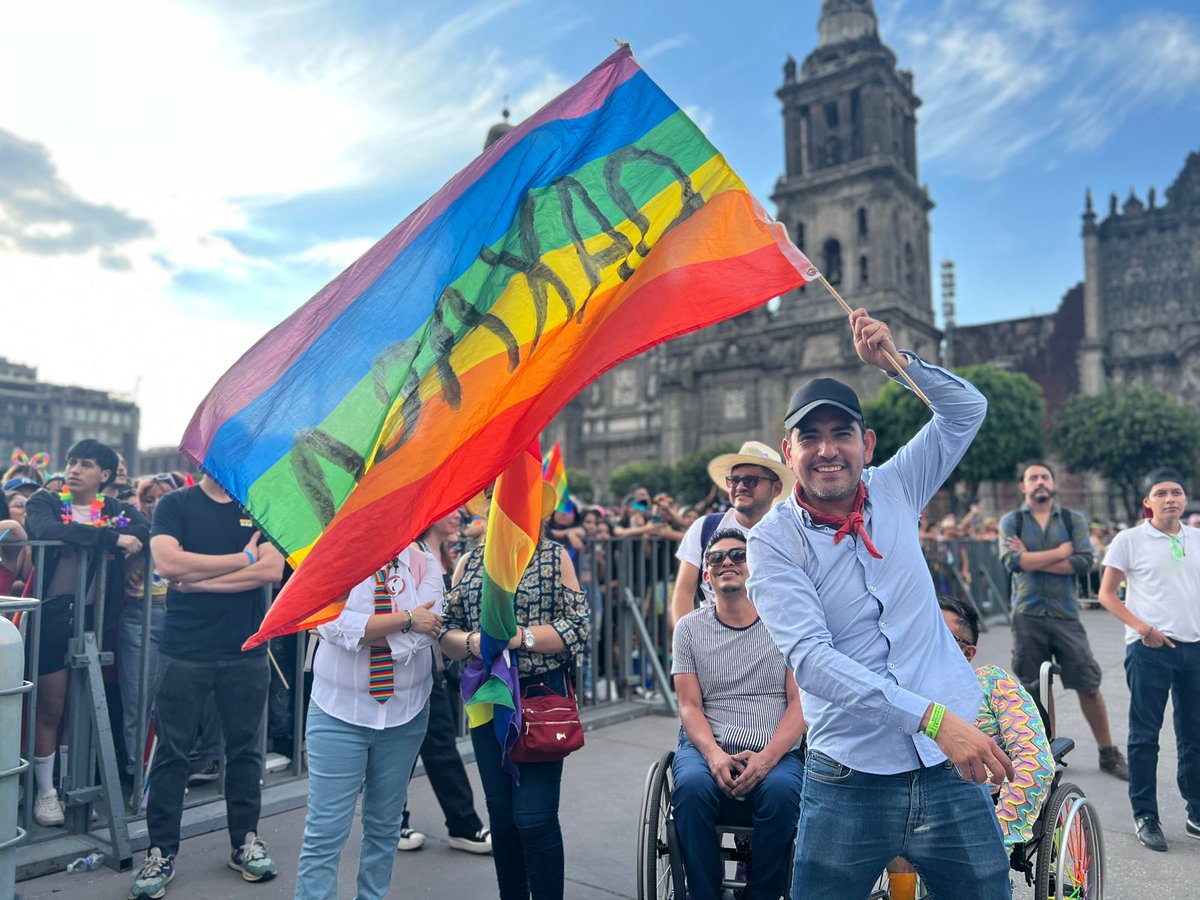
column 541, row 599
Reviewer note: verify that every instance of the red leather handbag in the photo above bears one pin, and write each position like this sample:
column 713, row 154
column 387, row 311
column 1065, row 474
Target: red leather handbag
column 550, row 726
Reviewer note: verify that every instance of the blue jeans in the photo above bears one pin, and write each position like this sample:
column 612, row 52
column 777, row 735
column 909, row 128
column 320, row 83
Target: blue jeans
column 1152, row 674
column 852, row 824
column 772, row 808
column 342, row 759
column 130, row 654
column 527, row 843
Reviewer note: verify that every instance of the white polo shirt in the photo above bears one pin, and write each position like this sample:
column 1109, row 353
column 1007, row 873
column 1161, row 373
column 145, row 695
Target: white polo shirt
column 1160, row 590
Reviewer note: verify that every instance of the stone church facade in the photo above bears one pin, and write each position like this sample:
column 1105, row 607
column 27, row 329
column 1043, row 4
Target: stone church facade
column 851, row 199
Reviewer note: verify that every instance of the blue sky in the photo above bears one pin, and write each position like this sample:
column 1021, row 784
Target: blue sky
column 199, row 170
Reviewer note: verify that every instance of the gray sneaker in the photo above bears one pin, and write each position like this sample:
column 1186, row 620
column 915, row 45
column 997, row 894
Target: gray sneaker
column 152, row 878
column 1112, row 762
column 252, row 861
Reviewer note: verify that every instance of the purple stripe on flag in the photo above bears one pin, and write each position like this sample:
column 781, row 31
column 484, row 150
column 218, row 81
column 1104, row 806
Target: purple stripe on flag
column 271, row 356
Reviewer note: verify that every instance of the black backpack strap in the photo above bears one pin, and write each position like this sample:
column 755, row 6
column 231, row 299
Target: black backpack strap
column 708, row 527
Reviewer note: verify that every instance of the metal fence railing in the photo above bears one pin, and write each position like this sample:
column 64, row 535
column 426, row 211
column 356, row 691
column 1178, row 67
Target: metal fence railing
column 628, row 583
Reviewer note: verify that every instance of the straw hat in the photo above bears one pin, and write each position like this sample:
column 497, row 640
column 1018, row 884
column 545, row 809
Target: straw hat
column 753, row 453
column 478, row 505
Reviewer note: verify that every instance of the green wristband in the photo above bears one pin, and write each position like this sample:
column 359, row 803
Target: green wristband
column 935, row 721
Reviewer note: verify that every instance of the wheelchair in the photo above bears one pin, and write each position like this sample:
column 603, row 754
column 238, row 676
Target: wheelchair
column 660, row 862
column 1064, row 860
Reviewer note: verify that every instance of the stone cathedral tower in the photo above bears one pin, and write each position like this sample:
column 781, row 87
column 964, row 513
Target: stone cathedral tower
column 850, row 197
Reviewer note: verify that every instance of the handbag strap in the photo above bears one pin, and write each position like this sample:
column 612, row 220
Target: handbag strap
column 548, row 691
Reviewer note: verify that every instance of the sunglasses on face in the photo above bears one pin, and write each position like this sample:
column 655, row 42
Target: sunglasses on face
column 737, row 556
column 750, row 481
column 164, row 478
column 962, row 642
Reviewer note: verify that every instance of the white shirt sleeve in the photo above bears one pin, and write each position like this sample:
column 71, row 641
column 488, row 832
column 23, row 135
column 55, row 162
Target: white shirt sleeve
column 347, row 630
column 1117, row 555
column 690, row 550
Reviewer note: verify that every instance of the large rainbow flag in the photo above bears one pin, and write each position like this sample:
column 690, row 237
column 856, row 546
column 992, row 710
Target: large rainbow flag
column 490, row 685
column 604, row 224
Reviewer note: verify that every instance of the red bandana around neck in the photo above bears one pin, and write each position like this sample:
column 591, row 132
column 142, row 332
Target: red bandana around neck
column 847, row 525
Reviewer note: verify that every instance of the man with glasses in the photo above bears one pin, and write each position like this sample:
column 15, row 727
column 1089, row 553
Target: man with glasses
column 742, row 725
column 836, row 572
column 1159, row 561
column 755, row 477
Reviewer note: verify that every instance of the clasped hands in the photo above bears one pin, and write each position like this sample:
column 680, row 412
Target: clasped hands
column 738, row 774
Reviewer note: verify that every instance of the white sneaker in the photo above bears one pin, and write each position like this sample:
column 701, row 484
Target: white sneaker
column 480, row 842
column 410, row 840
column 47, row 811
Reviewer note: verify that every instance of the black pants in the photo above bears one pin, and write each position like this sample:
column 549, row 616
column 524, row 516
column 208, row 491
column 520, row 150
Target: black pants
column 444, row 766
column 240, row 689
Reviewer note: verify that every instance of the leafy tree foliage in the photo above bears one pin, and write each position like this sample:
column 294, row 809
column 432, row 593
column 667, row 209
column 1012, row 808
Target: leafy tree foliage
column 1012, row 431
column 1125, row 432
column 690, row 480
column 579, row 484
column 650, row 474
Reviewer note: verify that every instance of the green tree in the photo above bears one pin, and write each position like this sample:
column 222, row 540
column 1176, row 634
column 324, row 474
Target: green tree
column 1011, row 432
column 1123, row 433
column 656, row 476
column 690, row 481
column 579, row 484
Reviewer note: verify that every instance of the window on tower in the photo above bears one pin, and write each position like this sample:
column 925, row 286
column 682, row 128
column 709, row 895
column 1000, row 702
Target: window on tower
column 862, row 222
column 831, row 115
column 798, row 235
column 832, row 267
column 909, row 274
column 863, row 271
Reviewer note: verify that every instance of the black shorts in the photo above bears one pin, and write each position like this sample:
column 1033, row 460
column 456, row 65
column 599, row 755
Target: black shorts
column 57, row 628
column 1037, row 639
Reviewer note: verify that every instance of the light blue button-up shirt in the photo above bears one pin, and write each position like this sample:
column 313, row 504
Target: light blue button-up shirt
column 864, row 636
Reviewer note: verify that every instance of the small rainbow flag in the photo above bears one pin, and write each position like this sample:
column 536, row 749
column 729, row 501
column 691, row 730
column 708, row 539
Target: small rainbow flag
column 603, row 225
column 555, row 472
column 489, row 685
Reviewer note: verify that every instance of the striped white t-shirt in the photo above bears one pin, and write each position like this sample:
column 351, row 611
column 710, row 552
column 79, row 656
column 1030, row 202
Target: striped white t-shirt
column 742, row 674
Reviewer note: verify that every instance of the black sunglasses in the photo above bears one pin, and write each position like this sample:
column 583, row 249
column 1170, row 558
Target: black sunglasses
column 963, row 643
column 737, row 556
column 750, row 481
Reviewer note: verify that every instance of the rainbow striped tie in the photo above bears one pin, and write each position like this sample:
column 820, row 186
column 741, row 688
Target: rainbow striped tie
column 380, row 674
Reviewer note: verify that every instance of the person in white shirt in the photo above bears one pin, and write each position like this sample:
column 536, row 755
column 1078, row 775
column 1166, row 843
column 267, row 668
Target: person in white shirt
column 366, row 721
column 1159, row 561
column 755, row 478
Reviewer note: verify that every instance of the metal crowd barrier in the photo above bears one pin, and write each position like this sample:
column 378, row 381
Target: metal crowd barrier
column 102, row 799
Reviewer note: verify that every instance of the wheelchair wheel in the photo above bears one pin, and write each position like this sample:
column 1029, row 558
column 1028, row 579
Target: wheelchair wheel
column 660, row 874
column 1071, row 848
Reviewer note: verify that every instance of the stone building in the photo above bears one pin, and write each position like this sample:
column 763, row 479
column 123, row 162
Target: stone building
column 850, row 197
column 37, row 416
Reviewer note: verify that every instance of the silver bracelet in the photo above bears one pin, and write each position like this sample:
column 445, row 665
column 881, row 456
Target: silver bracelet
column 409, row 624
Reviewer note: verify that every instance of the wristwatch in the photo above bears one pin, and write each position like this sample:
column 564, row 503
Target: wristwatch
column 527, row 638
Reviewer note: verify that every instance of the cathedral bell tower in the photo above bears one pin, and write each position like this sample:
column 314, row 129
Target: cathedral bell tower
column 850, row 197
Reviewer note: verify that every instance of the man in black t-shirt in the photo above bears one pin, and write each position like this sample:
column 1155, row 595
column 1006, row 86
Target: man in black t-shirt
column 216, row 567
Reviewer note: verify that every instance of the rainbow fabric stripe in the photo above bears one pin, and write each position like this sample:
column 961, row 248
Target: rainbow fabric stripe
column 490, row 686
column 381, row 671
column 1009, row 713
column 603, row 225
column 555, row 472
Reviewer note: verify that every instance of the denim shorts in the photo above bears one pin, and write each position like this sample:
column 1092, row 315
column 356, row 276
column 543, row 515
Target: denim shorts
column 57, row 628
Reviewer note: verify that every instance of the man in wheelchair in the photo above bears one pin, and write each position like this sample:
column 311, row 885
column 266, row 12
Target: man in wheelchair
column 1009, row 715
column 738, row 757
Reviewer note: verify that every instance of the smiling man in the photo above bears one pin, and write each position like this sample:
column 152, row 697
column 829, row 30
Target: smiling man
column 742, row 724
column 1046, row 547
column 755, row 477
column 1159, row 561
column 836, row 573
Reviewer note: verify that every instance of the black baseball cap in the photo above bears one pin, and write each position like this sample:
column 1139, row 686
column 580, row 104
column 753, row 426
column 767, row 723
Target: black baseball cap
column 822, row 392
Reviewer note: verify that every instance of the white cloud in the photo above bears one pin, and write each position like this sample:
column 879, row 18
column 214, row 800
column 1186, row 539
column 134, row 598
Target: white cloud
column 192, row 118
column 1003, row 79
column 658, row 48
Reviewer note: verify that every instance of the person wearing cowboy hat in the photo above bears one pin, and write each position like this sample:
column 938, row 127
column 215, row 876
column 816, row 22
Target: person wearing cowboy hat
column 755, row 477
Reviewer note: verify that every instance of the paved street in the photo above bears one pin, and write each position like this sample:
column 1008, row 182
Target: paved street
column 601, row 794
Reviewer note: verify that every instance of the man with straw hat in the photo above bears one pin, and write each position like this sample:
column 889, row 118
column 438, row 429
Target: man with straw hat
column 755, row 477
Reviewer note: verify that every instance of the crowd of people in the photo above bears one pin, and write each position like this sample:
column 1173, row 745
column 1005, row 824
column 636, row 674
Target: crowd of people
column 823, row 684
